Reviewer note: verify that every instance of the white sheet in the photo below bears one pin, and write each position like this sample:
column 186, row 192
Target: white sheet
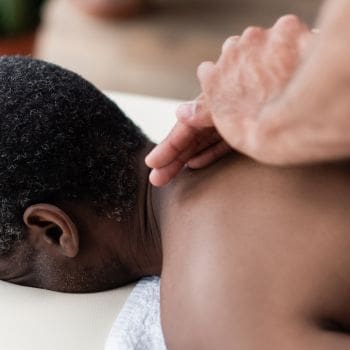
column 138, row 326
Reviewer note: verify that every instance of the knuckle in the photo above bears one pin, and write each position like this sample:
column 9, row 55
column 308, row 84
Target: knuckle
column 203, row 69
column 289, row 21
column 230, row 42
column 253, row 33
column 200, row 69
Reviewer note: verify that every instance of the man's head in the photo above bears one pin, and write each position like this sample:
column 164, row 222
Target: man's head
column 68, row 162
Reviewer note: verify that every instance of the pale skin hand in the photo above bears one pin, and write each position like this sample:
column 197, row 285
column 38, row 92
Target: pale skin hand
column 308, row 121
column 186, row 144
column 251, row 71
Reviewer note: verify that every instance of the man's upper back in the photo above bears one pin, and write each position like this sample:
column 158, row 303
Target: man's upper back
column 260, row 254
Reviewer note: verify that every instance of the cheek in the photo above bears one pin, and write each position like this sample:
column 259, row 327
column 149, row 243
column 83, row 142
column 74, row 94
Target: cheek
column 7, row 271
column 48, row 272
column 17, row 267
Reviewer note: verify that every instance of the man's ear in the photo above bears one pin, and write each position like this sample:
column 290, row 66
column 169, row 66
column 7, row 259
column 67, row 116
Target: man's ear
column 48, row 225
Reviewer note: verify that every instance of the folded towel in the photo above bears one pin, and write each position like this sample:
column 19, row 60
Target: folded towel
column 138, row 327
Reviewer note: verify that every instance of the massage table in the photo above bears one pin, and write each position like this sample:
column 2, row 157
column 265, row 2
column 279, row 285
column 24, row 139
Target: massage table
column 35, row 319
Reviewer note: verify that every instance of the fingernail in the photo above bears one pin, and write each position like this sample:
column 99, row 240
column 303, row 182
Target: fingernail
column 185, row 111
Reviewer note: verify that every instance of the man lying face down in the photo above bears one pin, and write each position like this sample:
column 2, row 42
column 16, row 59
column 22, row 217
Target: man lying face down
column 251, row 256
column 73, row 189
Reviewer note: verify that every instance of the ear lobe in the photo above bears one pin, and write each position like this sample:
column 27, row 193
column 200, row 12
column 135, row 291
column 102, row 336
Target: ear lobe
column 51, row 228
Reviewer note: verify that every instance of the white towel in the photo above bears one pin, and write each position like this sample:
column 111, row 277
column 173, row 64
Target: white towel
column 137, row 326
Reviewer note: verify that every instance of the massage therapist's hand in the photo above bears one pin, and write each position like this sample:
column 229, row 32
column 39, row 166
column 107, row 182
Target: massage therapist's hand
column 251, row 72
column 193, row 145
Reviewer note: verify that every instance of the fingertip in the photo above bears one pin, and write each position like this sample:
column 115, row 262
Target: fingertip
column 149, row 160
column 185, row 111
column 194, row 164
column 155, row 179
column 229, row 43
column 200, row 161
column 253, row 34
column 290, row 24
column 155, row 159
column 289, row 20
column 195, row 114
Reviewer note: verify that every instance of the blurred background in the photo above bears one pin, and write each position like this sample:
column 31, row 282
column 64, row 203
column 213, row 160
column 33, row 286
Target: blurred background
column 147, row 47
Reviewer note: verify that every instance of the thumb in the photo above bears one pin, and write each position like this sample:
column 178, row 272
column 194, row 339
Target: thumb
column 195, row 113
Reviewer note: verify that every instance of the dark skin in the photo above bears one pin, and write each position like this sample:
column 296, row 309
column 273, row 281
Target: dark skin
column 251, row 256
column 260, row 258
column 75, row 250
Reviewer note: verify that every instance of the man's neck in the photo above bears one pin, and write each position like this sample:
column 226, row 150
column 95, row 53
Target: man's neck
column 148, row 235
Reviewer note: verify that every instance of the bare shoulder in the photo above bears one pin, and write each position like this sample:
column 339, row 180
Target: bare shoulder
column 248, row 247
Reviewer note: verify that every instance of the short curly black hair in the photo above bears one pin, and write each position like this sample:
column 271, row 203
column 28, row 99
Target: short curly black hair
column 60, row 139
